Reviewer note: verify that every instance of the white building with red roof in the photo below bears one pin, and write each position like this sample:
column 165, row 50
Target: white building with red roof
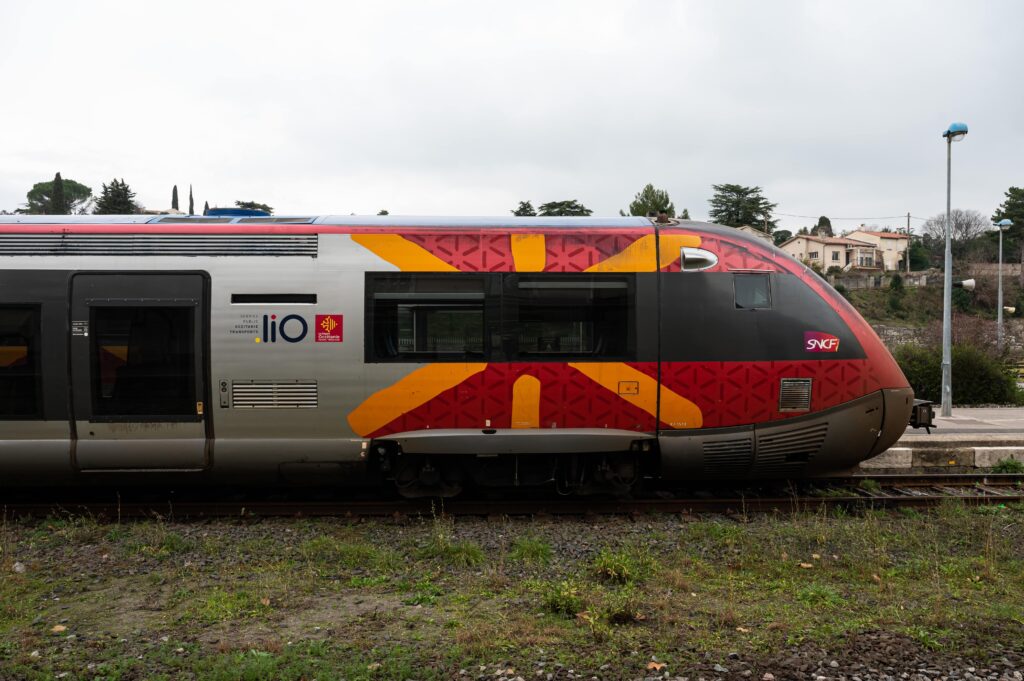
column 892, row 245
column 832, row 251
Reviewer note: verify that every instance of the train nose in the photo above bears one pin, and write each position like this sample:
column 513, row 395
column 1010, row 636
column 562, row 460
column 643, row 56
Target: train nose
column 898, row 405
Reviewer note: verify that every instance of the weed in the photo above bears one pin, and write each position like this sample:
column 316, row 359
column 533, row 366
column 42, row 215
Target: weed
column 442, row 546
column 820, row 595
column 623, row 566
column 531, row 550
column 563, row 598
column 1009, row 466
column 360, row 582
column 222, row 605
column 424, row 592
column 870, row 485
column 623, row 606
column 331, row 552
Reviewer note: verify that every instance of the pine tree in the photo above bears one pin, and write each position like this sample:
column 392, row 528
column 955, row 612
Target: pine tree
column 685, row 215
column 255, row 205
column 525, row 209
column 191, row 202
column 382, row 212
column 650, row 200
column 58, row 202
column 174, row 198
column 117, row 198
column 77, row 197
column 570, row 207
column 823, row 228
column 736, row 206
column 206, row 207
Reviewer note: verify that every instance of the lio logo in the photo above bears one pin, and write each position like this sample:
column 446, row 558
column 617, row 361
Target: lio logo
column 816, row 341
column 291, row 328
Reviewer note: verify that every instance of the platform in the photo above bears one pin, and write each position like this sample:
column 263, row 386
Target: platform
column 973, row 437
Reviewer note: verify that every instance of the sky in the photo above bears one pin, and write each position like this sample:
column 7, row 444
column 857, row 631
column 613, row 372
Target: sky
column 455, row 107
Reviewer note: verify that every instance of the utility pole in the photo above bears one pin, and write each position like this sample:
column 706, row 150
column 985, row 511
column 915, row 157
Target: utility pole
column 909, row 239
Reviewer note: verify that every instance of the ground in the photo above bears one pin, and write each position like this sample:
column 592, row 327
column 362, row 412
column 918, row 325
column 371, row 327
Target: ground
column 806, row 596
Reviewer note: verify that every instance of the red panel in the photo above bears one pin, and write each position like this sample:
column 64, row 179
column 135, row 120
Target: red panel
column 469, row 252
column 577, row 252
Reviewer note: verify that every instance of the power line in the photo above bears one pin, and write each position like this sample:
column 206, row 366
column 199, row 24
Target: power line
column 883, row 217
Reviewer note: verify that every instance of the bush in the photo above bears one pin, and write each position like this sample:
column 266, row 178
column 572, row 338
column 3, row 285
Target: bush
column 841, row 290
column 977, row 378
column 1008, row 466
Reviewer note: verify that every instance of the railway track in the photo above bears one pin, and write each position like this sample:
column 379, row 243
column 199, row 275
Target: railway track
column 885, row 491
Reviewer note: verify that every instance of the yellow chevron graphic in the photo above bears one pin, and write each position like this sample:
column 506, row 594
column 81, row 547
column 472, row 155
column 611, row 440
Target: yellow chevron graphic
column 639, row 256
column 402, row 253
column 528, row 252
column 676, row 410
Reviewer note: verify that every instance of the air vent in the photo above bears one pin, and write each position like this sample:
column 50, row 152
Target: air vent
column 273, row 394
column 784, row 453
column 795, row 394
column 728, row 458
column 160, row 244
column 185, row 219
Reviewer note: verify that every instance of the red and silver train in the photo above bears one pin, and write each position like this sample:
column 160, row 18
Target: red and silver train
column 586, row 354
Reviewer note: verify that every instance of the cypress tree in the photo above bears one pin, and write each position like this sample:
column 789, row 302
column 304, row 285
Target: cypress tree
column 174, row 198
column 191, row 202
column 206, row 207
column 58, row 202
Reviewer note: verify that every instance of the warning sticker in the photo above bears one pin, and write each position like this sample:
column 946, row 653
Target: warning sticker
column 329, row 328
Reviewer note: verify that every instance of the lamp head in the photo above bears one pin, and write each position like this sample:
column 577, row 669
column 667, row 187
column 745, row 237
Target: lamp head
column 956, row 132
column 1004, row 223
column 966, row 284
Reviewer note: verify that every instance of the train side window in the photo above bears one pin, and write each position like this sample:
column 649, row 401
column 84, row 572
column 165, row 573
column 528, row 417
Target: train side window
column 143, row 361
column 426, row 317
column 575, row 316
column 753, row 291
column 19, row 363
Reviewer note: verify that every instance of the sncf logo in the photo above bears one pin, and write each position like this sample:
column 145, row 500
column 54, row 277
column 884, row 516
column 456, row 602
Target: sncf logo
column 816, row 341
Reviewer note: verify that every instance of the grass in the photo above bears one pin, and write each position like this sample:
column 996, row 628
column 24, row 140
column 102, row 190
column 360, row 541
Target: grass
column 399, row 599
column 1008, row 466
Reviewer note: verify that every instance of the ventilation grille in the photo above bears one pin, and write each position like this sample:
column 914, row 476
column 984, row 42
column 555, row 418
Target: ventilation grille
column 159, row 244
column 795, row 394
column 782, row 454
column 728, row 457
column 273, row 394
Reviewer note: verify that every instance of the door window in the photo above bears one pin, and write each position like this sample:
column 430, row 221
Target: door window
column 143, row 361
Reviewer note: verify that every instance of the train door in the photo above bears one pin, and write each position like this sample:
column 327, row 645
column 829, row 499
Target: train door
column 138, row 378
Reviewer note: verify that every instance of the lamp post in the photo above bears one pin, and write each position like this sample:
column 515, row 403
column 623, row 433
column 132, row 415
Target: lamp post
column 1001, row 225
column 955, row 133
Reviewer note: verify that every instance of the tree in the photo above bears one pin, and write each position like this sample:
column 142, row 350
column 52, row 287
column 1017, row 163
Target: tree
column 117, row 198
column 525, row 209
column 735, row 206
column 919, row 259
column 382, row 212
column 823, row 228
column 685, row 215
column 206, row 207
column 40, row 198
column 58, row 204
column 650, row 200
column 781, row 236
column 191, row 202
column 965, row 227
column 253, row 205
column 174, row 198
column 1013, row 238
column 570, row 207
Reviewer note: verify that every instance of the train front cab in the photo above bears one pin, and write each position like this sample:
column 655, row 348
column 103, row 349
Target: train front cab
column 790, row 380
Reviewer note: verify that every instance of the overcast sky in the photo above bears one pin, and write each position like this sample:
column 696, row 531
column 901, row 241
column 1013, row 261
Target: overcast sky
column 468, row 107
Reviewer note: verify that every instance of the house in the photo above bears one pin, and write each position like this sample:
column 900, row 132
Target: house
column 754, row 231
column 892, row 245
column 833, row 251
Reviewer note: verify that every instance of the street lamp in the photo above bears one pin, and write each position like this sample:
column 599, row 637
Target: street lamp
column 1001, row 225
column 955, row 133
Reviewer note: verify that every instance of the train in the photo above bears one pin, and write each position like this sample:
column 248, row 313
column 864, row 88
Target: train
column 587, row 355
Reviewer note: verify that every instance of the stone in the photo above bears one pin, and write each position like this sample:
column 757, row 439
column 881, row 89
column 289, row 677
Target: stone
column 19, row 568
column 768, row 676
column 833, row 664
column 720, row 669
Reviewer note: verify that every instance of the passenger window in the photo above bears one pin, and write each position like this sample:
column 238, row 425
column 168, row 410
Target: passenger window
column 19, row 363
column 143, row 361
column 427, row 317
column 577, row 316
column 752, row 291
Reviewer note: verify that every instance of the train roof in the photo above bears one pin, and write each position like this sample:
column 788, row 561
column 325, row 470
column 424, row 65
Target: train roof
column 339, row 220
